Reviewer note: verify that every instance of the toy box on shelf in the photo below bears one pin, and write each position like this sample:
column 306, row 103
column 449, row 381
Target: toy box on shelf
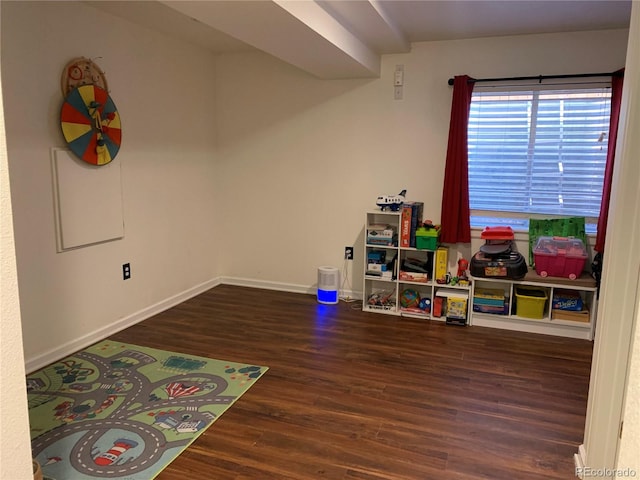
column 566, row 300
column 378, row 265
column 568, row 305
column 441, row 267
column 416, row 266
column 382, row 234
column 498, row 257
column 559, row 257
column 427, row 238
column 453, row 305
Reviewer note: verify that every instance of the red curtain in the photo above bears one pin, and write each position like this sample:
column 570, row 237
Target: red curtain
column 616, row 96
column 454, row 216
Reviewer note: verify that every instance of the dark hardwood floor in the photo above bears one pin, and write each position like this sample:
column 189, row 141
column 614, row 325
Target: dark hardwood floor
column 354, row 395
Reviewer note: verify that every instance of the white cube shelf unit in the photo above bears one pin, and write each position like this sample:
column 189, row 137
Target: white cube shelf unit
column 549, row 323
column 384, row 278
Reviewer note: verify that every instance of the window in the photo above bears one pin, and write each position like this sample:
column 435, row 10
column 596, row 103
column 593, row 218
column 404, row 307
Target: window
column 537, row 153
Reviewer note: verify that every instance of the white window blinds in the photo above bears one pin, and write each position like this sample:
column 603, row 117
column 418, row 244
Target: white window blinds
column 538, row 151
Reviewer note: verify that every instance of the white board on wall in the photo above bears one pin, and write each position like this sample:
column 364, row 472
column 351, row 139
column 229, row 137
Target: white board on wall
column 88, row 201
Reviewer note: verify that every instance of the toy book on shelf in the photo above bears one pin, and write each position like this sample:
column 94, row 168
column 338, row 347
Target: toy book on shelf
column 382, row 234
column 410, row 220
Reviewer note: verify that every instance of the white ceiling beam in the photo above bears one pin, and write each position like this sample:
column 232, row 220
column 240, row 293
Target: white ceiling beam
column 394, row 38
column 370, row 22
column 301, row 33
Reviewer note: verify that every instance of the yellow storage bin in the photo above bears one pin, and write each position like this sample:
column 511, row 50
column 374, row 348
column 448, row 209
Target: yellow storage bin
column 531, row 302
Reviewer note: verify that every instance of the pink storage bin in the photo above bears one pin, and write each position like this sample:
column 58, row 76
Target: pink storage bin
column 559, row 257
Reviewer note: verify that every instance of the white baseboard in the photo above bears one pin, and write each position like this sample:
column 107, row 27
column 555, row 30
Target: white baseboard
column 268, row 285
column 518, row 325
column 578, row 460
column 77, row 344
column 55, row 354
column 283, row 287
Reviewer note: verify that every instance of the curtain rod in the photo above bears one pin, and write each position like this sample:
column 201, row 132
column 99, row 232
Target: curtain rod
column 540, row 78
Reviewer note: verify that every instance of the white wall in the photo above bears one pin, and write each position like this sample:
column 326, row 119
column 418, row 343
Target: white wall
column 15, row 451
column 165, row 93
column 305, row 158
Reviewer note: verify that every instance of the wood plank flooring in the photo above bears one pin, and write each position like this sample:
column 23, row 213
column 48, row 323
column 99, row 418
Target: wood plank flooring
column 354, row 395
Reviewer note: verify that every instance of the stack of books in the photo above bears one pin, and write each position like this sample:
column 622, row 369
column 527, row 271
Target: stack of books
column 382, row 235
column 410, row 220
column 490, row 300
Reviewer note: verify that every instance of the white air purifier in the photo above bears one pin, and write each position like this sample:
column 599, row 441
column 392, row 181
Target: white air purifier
column 328, row 284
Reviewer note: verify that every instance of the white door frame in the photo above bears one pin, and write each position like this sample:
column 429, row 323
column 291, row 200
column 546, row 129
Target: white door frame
column 618, row 296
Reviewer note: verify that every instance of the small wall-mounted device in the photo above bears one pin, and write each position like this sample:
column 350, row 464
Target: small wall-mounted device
column 398, row 77
column 398, row 82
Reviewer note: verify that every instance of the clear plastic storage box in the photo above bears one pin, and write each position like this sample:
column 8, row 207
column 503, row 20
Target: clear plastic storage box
column 559, row 257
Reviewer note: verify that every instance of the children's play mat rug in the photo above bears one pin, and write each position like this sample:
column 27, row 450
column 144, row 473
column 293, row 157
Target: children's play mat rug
column 117, row 410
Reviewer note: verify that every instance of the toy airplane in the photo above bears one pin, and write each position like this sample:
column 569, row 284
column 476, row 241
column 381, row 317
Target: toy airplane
column 394, row 202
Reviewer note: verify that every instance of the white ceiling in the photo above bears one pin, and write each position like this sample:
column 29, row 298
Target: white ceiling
column 345, row 38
